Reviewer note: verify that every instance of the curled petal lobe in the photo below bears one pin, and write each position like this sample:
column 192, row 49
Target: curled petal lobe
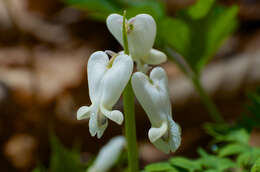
column 155, row 57
column 83, row 112
column 108, row 155
column 114, row 115
column 156, row 133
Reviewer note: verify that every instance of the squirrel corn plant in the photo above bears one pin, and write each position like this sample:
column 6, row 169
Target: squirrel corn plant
column 109, row 78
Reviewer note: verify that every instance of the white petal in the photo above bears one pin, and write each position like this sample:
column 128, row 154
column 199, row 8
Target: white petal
column 160, row 80
column 152, row 96
column 93, row 126
column 114, row 24
column 96, row 70
column 115, row 80
column 155, row 57
column 141, row 37
column 152, row 93
column 83, row 112
column 162, row 146
column 156, row 133
column 97, row 124
column 108, row 155
column 172, row 143
column 114, row 115
column 174, row 135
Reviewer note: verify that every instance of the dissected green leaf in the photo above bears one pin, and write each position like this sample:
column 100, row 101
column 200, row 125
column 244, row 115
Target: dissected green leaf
column 251, row 119
column 190, row 165
column 256, row 166
column 223, row 132
column 232, row 149
column 160, row 167
column 248, row 158
column 216, row 163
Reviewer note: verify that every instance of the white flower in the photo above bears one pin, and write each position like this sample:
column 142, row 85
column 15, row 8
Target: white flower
column 141, row 32
column 106, row 80
column 108, row 155
column 152, row 93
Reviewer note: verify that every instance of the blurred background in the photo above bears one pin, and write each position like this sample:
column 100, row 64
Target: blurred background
column 44, row 49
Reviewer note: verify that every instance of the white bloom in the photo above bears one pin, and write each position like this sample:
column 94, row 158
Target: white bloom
column 108, row 155
column 141, row 32
column 106, row 84
column 152, row 93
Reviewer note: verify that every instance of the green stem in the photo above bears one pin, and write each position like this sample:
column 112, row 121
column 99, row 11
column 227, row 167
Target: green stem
column 130, row 128
column 206, row 100
column 129, row 111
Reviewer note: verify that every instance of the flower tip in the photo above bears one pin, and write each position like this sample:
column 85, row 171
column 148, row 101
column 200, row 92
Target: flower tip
column 156, row 133
column 117, row 116
column 83, row 112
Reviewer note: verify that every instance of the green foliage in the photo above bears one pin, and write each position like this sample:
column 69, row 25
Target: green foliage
column 256, row 167
column 198, row 31
column 160, row 167
column 100, row 9
column 251, row 119
column 230, row 147
column 184, row 163
column 62, row 159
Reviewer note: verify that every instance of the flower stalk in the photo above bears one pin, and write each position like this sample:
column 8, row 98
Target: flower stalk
column 206, row 100
column 129, row 111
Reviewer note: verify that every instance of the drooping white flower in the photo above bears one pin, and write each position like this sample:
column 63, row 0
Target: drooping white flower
column 152, row 93
column 106, row 81
column 141, row 32
column 108, row 155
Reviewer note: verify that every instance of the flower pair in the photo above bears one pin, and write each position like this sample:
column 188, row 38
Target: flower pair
column 108, row 78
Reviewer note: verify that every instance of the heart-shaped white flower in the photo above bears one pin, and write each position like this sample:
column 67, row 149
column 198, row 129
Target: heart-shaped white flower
column 106, row 84
column 152, row 93
column 108, row 155
column 141, row 32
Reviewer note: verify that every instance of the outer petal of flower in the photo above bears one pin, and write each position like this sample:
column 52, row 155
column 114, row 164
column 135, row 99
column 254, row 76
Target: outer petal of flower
column 174, row 135
column 108, row 155
column 152, row 93
column 114, row 115
column 96, row 69
column 141, row 35
column 162, row 145
column 114, row 24
column 97, row 124
column 149, row 96
column 155, row 57
column 83, row 112
column 115, row 80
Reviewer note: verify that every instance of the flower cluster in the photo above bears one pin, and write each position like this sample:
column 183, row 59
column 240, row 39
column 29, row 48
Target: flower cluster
column 107, row 79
